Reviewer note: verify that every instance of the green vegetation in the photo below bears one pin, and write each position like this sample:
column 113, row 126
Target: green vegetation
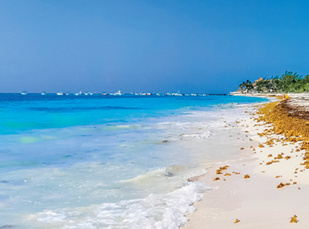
column 288, row 82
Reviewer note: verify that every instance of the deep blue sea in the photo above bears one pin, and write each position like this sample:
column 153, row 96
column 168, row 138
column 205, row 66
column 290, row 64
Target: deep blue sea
column 108, row 161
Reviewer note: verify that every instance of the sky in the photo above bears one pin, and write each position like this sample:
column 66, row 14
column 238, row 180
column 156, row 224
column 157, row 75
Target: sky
column 208, row 46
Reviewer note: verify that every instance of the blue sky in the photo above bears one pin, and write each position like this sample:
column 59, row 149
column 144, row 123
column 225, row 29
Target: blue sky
column 139, row 45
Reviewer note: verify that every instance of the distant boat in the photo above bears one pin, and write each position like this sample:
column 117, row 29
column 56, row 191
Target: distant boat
column 104, row 93
column 177, row 94
column 193, row 94
column 117, row 93
column 24, row 93
column 60, row 93
column 43, row 93
column 78, row 93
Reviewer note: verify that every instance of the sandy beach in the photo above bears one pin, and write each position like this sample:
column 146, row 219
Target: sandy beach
column 266, row 188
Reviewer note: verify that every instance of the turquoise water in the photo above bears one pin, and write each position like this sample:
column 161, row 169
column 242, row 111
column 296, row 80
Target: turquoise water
column 100, row 161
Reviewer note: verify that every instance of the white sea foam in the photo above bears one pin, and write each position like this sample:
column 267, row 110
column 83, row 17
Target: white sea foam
column 157, row 211
column 204, row 135
column 186, row 130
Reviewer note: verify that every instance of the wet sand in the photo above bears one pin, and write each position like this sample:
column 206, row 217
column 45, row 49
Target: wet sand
column 265, row 189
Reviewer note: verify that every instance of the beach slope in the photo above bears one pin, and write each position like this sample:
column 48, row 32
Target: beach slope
column 269, row 188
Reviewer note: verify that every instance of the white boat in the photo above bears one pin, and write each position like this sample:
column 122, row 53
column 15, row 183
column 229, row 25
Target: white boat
column 24, row 93
column 193, row 94
column 79, row 93
column 60, row 93
column 177, row 94
column 43, row 93
column 117, row 93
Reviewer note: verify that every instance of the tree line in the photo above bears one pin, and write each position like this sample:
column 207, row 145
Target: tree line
column 288, row 82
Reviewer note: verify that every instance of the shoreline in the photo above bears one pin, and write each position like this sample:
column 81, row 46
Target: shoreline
column 256, row 201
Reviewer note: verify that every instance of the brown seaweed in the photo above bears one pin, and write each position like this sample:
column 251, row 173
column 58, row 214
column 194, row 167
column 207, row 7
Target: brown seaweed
column 294, row 219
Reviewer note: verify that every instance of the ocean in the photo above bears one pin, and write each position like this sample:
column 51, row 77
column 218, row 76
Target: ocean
column 109, row 161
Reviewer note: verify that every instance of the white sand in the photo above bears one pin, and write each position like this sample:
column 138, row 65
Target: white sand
column 256, row 202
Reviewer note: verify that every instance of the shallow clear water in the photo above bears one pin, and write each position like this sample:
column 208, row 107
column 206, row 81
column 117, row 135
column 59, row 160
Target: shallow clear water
column 107, row 161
